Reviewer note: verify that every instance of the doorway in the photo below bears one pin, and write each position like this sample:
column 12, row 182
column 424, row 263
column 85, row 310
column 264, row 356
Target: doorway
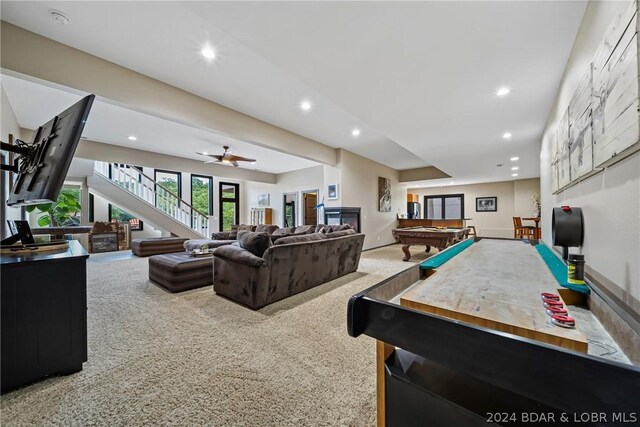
column 289, row 209
column 309, row 211
column 229, row 205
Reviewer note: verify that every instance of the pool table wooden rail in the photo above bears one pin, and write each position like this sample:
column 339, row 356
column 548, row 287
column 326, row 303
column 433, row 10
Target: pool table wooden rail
column 438, row 238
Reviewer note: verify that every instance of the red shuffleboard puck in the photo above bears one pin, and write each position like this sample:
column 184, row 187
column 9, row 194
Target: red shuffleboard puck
column 564, row 321
column 553, row 310
column 549, row 296
column 550, row 303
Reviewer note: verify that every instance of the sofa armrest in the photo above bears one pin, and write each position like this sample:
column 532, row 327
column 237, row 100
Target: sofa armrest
column 239, row 255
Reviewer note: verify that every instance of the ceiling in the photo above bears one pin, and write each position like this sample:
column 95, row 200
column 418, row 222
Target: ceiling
column 34, row 104
column 418, row 78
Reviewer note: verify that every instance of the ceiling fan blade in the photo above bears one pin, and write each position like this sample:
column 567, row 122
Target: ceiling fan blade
column 240, row 159
column 234, row 163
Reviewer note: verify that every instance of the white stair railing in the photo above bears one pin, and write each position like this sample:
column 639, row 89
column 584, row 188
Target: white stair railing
column 152, row 192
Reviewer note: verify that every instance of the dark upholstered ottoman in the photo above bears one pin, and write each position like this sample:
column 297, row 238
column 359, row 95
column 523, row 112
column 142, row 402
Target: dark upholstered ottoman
column 180, row 272
column 157, row 245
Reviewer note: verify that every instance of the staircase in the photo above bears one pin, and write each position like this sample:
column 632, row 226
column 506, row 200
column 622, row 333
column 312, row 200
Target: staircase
column 140, row 195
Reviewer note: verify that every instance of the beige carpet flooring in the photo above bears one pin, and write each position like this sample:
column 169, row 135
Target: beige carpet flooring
column 194, row 358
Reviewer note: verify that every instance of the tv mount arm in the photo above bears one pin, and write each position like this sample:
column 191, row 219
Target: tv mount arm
column 21, row 148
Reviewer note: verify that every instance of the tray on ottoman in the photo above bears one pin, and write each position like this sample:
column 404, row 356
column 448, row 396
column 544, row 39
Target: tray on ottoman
column 179, row 272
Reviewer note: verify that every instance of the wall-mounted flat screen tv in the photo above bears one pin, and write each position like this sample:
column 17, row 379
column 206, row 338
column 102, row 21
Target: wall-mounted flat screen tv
column 42, row 172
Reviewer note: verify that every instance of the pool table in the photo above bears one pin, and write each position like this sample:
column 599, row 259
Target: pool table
column 440, row 238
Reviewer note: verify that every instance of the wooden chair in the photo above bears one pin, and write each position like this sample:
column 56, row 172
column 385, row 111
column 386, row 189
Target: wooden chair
column 520, row 231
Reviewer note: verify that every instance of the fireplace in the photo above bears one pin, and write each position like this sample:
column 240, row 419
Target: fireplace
column 335, row 216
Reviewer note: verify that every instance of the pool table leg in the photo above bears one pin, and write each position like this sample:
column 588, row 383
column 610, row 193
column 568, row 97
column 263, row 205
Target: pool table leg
column 427, row 248
column 407, row 254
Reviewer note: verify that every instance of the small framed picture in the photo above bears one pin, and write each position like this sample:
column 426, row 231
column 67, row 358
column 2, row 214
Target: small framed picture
column 263, row 200
column 332, row 192
column 486, row 204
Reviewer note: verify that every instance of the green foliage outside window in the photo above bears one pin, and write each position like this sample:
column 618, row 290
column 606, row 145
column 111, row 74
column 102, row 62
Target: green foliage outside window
column 200, row 191
column 64, row 212
column 120, row 215
column 164, row 201
column 228, row 215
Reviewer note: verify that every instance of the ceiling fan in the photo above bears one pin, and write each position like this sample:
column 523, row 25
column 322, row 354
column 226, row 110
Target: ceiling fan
column 226, row 158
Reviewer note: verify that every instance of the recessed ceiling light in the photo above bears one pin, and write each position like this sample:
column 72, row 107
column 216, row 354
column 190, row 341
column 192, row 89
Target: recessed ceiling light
column 253, row 163
column 507, row 135
column 503, row 91
column 305, row 105
column 208, row 53
column 59, row 16
column 515, row 168
column 355, row 132
column 514, row 159
column 133, row 138
column 514, row 174
column 205, row 153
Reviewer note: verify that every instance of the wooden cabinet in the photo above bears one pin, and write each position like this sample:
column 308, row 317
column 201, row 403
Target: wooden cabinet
column 413, row 198
column 261, row 216
column 44, row 315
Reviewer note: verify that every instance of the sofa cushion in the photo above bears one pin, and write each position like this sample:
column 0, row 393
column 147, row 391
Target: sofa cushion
column 304, row 229
column 320, row 227
column 238, row 254
column 284, row 231
column 256, row 243
column 266, row 228
column 245, row 227
column 340, row 233
column 336, row 227
column 303, row 238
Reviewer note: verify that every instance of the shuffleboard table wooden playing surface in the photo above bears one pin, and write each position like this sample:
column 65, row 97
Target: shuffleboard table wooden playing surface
column 495, row 284
column 440, row 238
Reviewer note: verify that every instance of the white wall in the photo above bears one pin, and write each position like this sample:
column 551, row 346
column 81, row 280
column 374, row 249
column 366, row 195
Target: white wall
column 289, row 182
column 359, row 188
column 8, row 125
column 514, row 199
column 610, row 200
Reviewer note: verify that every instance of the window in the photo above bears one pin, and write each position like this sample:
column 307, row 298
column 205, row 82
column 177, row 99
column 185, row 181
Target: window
column 118, row 215
column 202, row 194
column 229, row 205
column 448, row 206
column 170, row 182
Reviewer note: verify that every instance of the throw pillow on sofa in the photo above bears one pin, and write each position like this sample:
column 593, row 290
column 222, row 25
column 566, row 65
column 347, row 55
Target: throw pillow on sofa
column 323, row 228
column 285, row 231
column 256, row 243
column 266, row 228
column 300, row 239
column 346, row 232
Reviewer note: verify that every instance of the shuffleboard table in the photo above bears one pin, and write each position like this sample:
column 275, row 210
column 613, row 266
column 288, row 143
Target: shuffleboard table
column 464, row 337
column 440, row 238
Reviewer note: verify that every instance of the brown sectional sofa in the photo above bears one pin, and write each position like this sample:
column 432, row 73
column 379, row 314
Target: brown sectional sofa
column 291, row 265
